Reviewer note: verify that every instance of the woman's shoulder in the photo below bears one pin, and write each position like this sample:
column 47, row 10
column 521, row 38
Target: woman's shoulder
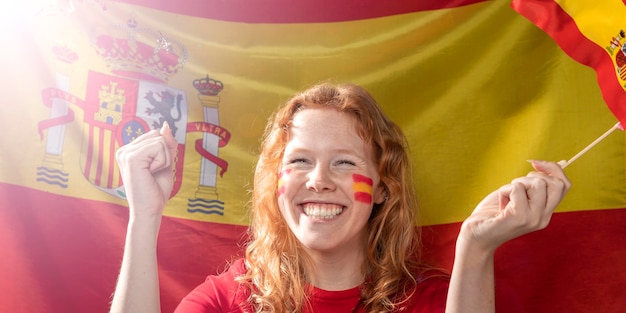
column 235, row 269
column 218, row 293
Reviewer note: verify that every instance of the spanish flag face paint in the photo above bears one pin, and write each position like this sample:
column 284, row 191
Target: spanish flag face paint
column 281, row 181
column 362, row 186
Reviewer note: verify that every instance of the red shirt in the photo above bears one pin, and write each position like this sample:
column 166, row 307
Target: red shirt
column 220, row 293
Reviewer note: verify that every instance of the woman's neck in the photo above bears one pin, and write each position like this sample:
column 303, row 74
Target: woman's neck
column 338, row 271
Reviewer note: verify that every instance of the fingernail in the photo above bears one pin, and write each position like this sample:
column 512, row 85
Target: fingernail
column 165, row 127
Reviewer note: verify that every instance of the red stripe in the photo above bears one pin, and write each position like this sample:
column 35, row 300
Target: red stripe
column 301, row 11
column 357, row 178
column 62, row 254
column 87, row 170
column 363, row 197
column 54, row 246
column 281, row 189
column 553, row 20
column 285, row 172
column 111, row 162
column 98, row 178
column 576, row 264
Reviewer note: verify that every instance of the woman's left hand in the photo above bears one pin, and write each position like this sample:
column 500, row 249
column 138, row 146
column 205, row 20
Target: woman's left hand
column 523, row 206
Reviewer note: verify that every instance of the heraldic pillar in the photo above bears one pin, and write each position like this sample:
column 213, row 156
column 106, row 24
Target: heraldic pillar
column 54, row 142
column 51, row 171
column 207, row 188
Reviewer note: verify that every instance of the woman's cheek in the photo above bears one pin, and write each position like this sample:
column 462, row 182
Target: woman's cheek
column 282, row 178
column 362, row 186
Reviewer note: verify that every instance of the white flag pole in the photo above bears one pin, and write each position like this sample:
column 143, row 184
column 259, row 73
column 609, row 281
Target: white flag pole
column 564, row 163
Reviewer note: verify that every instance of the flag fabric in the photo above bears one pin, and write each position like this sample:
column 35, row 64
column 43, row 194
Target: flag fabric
column 477, row 88
column 592, row 34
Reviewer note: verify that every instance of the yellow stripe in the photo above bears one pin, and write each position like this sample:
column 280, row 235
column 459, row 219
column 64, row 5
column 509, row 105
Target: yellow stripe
column 362, row 187
column 597, row 20
column 478, row 90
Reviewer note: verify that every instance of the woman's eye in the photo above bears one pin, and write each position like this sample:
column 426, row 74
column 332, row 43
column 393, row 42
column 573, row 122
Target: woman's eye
column 346, row 162
column 298, row 160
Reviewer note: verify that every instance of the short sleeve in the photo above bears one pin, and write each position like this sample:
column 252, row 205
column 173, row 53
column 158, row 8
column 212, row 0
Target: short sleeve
column 218, row 293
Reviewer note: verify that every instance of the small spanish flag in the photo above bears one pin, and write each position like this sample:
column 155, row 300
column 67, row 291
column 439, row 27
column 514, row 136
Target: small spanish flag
column 362, row 188
column 281, row 182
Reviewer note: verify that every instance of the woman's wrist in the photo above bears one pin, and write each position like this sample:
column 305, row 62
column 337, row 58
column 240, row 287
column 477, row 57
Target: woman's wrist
column 469, row 246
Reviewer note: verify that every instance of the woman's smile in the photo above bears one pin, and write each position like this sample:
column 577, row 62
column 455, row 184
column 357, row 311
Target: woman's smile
column 321, row 210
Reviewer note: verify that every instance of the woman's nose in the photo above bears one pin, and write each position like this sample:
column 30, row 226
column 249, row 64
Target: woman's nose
column 320, row 180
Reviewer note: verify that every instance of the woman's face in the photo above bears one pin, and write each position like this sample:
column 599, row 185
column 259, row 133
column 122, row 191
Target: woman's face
column 328, row 182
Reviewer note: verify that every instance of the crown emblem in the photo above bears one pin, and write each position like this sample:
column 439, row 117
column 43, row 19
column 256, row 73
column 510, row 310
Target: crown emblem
column 137, row 52
column 208, row 86
column 65, row 54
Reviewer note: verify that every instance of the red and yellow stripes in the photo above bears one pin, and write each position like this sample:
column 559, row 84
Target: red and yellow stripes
column 591, row 34
column 281, row 182
column 362, row 186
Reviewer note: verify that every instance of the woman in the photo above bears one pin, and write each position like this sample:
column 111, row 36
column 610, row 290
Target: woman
column 333, row 224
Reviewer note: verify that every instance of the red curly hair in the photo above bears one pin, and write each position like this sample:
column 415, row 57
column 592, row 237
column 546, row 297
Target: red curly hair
column 276, row 262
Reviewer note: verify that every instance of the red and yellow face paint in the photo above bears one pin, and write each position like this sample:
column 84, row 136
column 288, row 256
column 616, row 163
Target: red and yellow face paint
column 281, row 181
column 362, row 186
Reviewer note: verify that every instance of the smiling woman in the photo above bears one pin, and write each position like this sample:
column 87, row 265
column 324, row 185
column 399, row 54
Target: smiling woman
column 339, row 149
column 320, row 204
column 333, row 219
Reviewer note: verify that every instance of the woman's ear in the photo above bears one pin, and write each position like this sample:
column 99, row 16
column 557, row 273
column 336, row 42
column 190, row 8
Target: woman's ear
column 380, row 195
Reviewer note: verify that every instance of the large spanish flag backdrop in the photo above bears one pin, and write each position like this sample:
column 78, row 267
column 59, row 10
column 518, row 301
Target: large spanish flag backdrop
column 477, row 86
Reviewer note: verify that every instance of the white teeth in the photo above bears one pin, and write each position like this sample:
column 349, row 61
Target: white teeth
column 322, row 211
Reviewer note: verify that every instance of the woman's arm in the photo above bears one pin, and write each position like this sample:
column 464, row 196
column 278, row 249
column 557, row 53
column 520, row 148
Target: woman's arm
column 137, row 287
column 515, row 209
column 146, row 168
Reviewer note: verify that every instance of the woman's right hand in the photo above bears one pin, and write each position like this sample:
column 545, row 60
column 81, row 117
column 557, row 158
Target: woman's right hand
column 146, row 165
